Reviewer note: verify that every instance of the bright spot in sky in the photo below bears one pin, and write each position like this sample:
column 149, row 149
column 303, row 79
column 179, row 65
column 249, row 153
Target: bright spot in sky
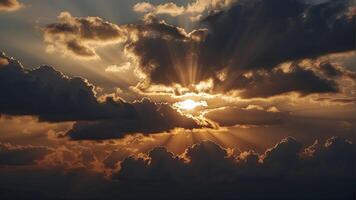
column 190, row 104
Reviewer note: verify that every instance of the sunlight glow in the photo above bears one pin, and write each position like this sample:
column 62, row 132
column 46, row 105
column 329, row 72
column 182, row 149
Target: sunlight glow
column 190, row 104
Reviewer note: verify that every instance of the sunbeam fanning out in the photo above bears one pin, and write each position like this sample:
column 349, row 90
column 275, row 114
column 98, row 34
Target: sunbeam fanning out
column 189, row 104
column 178, row 99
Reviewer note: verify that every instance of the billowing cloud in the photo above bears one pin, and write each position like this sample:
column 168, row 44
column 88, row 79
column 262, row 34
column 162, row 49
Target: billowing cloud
column 268, row 34
column 80, row 35
column 204, row 170
column 10, row 5
column 207, row 165
column 51, row 95
column 54, row 97
column 244, row 57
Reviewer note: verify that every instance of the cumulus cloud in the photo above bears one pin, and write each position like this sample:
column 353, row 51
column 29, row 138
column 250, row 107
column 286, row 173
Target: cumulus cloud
column 51, row 95
column 10, row 5
column 54, row 97
column 80, row 35
column 204, row 170
column 207, row 165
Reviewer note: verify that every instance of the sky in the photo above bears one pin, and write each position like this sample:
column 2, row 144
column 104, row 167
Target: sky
column 189, row 99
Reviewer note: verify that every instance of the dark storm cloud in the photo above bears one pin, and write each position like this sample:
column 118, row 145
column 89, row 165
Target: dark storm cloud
column 10, row 5
column 265, row 33
column 164, row 52
column 248, row 37
column 251, row 36
column 297, row 79
column 22, row 155
column 54, row 97
column 220, row 174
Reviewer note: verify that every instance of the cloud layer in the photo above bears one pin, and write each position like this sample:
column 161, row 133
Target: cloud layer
column 324, row 170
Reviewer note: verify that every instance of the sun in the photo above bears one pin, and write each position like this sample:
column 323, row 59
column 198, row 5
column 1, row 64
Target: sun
column 189, row 104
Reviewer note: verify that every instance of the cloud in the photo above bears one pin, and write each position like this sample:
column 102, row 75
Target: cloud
column 269, row 34
column 272, row 32
column 246, row 58
column 151, row 118
column 207, row 165
column 165, row 53
column 54, row 97
column 22, row 155
column 170, row 8
column 10, row 5
column 119, row 69
column 297, row 79
column 79, row 36
column 194, row 9
column 51, row 95
column 204, row 170
column 282, row 157
column 143, row 7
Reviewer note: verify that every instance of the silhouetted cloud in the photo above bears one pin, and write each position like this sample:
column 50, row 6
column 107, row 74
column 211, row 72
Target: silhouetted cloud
column 10, row 5
column 250, row 37
column 54, row 97
column 297, row 79
column 204, row 171
column 265, row 33
column 286, row 166
column 151, row 118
